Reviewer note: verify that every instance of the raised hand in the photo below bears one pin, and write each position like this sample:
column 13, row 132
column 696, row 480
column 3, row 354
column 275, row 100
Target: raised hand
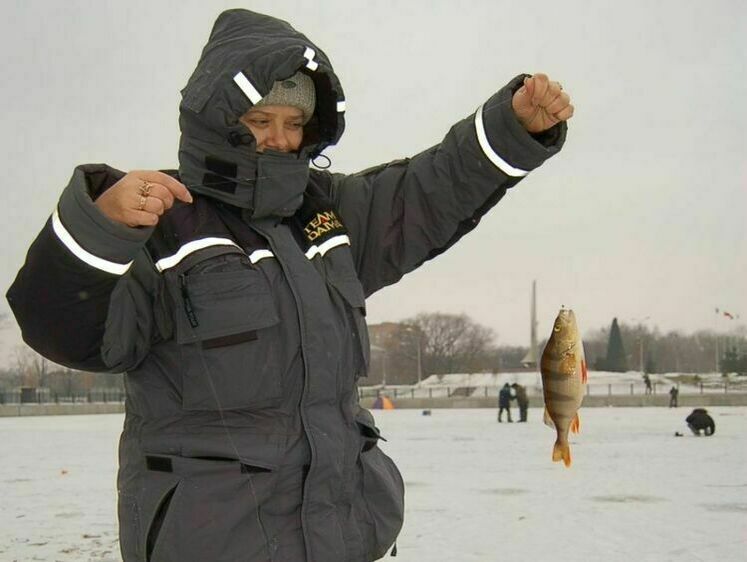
column 141, row 197
column 541, row 103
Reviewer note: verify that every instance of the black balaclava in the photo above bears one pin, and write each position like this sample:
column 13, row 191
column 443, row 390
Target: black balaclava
column 245, row 55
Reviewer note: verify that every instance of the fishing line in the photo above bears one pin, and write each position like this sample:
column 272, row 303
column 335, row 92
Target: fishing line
column 207, row 371
column 249, row 181
column 242, row 181
column 238, row 455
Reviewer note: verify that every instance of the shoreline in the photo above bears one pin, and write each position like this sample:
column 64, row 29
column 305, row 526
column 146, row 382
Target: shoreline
column 621, row 401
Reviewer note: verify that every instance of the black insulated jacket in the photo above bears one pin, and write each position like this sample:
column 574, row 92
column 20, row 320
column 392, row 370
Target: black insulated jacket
column 239, row 321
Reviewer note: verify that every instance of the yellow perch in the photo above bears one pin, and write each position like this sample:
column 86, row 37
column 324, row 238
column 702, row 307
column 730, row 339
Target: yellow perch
column 564, row 374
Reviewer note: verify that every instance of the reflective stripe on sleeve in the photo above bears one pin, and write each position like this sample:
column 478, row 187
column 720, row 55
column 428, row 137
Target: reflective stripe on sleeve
column 84, row 255
column 499, row 162
column 340, row 106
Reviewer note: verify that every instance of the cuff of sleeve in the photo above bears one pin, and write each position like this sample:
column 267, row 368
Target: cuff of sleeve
column 508, row 139
column 85, row 231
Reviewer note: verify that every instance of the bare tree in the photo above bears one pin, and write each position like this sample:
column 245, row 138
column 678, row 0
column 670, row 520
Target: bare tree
column 476, row 343
column 32, row 368
column 669, row 352
column 452, row 342
column 9, row 380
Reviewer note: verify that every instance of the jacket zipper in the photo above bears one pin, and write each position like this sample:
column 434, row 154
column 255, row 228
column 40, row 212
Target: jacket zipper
column 188, row 308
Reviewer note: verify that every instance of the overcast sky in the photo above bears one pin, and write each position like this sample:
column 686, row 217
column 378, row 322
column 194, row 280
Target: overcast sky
column 641, row 215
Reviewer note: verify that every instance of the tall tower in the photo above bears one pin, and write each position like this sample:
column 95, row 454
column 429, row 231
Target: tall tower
column 531, row 359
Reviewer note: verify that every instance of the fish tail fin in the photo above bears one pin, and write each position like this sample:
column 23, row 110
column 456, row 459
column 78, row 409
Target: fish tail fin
column 548, row 420
column 576, row 424
column 562, row 451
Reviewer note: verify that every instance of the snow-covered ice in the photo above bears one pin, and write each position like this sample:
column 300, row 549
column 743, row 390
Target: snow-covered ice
column 476, row 490
column 482, row 491
column 58, row 488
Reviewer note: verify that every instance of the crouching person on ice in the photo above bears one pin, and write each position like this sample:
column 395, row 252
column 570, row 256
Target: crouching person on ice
column 231, row 292
column 700, row 420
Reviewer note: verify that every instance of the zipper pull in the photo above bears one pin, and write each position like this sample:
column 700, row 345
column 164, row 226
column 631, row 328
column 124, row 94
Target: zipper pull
column 188, row 309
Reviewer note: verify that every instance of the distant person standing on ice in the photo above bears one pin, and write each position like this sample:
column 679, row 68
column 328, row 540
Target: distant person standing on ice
column 522, row 401
column 232, row 294
column 647, row 381
column 699, row 420
column 504, row 403
column 674, row 393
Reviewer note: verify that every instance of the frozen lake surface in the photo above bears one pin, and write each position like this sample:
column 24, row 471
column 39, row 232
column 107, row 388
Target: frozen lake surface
column 476, row 490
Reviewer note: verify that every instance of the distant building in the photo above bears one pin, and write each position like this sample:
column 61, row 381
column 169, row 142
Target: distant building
column 395, row 357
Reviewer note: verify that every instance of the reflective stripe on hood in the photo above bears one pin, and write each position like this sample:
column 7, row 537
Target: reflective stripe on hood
column 244, row 56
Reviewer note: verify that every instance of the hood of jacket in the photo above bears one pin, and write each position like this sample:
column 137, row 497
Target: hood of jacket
column 245, row 55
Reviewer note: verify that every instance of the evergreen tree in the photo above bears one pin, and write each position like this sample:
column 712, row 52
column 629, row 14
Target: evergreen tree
column 730, row 362
column 616, row 360
column 742, row 364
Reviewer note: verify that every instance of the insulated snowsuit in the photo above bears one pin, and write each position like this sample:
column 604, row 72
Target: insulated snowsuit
column 239, row 321
column 521, row 400
column 504, row 402
column 699, row 420
column 674, row 393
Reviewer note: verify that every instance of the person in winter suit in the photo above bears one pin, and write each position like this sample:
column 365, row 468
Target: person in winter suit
column 699, row 420
column 674, row 393
column 231, row 292
column 520, row 393
column 504, row 403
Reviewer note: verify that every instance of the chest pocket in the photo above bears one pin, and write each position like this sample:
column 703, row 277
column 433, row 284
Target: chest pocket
column 349, row 288
column 226, row 325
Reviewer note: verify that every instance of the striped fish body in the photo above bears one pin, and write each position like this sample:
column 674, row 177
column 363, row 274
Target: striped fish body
column 564, row 375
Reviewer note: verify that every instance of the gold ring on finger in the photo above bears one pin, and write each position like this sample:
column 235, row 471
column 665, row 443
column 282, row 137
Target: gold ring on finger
column 145, row 188
column 143, row 200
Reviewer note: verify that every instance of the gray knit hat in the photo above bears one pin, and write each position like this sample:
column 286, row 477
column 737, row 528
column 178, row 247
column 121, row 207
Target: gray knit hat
column 296, row 91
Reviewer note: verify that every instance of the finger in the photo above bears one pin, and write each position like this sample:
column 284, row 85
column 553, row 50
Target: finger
column 177, row 188
column 140, row 218
column 154, row 205
column 529, row 87
column 530, row 122
column 559, row 103
column 553, row 91
column 522, row 98
column 541, row 83
column 162, row 193
column 565, row 113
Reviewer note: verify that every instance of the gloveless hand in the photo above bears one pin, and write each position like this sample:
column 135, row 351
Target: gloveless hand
column 141, row 197
column 541, row 103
